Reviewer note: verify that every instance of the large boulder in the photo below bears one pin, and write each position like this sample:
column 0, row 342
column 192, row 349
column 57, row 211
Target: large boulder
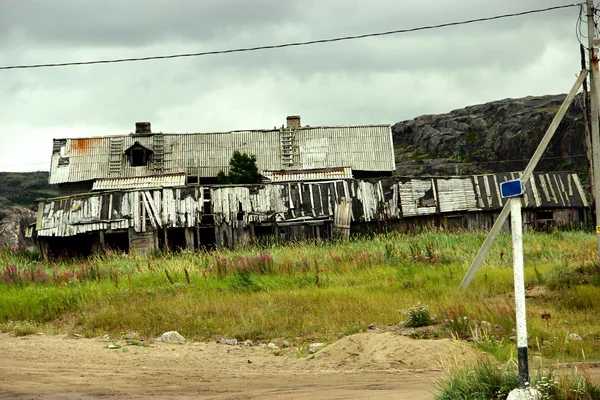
column 14, row 221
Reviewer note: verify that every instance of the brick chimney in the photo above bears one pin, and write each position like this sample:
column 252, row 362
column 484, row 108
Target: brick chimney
column 293, row 122
column 142, row 127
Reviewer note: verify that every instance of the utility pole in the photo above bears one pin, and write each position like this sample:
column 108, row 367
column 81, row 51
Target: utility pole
column 588, row 128
column 594, row 75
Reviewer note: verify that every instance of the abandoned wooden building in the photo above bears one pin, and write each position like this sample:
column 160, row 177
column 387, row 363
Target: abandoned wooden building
column 143, row 191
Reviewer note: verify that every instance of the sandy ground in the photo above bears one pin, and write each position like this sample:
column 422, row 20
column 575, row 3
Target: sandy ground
column 369, row 365
column 362, row 366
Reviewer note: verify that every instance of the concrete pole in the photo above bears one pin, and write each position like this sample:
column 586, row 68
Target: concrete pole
column 516, row 226
column 594, row 75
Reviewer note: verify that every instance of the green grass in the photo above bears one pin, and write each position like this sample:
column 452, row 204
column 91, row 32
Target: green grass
column 318, row 291
column 484, row 379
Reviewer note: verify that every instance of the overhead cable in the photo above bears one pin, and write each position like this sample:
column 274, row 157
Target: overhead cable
column 293, row 44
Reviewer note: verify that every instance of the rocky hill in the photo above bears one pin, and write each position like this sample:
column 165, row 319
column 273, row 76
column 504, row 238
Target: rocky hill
column 23, row 188
column 18, row 192
column 492, row 137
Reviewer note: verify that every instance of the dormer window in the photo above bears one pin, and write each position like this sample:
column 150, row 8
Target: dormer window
column 138, row 155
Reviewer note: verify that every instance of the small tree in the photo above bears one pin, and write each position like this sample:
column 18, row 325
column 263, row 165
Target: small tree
column 222, row 178
column 242, row 170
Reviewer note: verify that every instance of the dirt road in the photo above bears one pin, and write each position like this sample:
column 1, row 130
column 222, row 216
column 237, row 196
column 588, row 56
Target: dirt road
column 363, row 366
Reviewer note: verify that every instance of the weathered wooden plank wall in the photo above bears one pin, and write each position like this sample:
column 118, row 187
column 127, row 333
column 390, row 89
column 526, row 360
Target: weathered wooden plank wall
column 241, row 206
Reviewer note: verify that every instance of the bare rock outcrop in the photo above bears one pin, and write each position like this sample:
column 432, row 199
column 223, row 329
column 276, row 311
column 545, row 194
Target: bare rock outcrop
column 493, row 137
column 14, row 221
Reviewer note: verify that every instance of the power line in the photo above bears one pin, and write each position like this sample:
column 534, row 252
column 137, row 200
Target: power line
column 294, row 44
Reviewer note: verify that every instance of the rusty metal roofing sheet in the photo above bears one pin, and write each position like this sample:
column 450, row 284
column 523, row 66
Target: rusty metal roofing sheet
column 366, row 148
column 140, row 182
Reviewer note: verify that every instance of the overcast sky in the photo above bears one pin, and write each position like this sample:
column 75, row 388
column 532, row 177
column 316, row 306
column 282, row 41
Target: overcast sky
column 367, row 81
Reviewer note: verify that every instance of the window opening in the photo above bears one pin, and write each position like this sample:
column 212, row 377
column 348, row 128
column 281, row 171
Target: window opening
column 138, row 158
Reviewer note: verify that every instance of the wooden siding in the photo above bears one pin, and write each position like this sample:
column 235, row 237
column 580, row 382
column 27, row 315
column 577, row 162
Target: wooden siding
column 298, row 202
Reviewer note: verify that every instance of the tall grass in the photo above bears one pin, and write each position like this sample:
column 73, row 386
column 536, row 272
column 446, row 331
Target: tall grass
column 484, row 379
column 319, row 290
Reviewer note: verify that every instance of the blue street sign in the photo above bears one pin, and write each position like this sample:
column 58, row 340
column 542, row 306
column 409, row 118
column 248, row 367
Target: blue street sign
column 512, row 188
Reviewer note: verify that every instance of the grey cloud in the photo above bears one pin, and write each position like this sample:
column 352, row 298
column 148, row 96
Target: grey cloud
column 134, row 23
column 378, row 80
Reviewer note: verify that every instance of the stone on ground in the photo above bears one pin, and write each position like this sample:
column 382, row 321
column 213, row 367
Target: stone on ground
column 170, row 337
column 524, row 394
column 314, row 347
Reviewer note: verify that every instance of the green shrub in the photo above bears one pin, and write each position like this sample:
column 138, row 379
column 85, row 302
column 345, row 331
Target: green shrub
column 480, row 381
column 20, row 328
column 564, row 277
column 418, row 316
column 243, row 281
column 485, row 380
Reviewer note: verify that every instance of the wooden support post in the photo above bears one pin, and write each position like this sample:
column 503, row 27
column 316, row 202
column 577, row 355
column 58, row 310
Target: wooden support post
column 189, row 238
column 101, row 238
column 44, row 247
column 497, row 227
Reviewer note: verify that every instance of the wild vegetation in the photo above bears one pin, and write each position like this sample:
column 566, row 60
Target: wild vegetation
column 23, row 188
column 320, row 290
column 484, row 379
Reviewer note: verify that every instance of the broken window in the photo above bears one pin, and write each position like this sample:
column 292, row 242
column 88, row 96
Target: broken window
column 192, row 180
column 139, row 156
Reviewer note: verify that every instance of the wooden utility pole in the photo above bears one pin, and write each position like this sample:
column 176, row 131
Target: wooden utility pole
column 594, row 75
column 587, row 122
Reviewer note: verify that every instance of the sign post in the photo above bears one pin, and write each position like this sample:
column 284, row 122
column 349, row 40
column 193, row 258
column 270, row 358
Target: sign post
column 513, row 191
column 516, row 226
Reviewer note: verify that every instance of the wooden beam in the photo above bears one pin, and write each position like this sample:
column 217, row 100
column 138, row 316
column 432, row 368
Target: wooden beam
column 480, row 257
column 147, row 210
column 153, row 209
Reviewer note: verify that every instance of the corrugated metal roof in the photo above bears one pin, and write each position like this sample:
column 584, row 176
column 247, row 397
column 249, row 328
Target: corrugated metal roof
column 366, row 148
column 456, row 194
column 417, row 197
column 543, row 190
column 140, row 182
column 309, row 175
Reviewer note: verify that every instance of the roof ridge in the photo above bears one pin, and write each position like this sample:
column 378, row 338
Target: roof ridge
column 308, row 127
